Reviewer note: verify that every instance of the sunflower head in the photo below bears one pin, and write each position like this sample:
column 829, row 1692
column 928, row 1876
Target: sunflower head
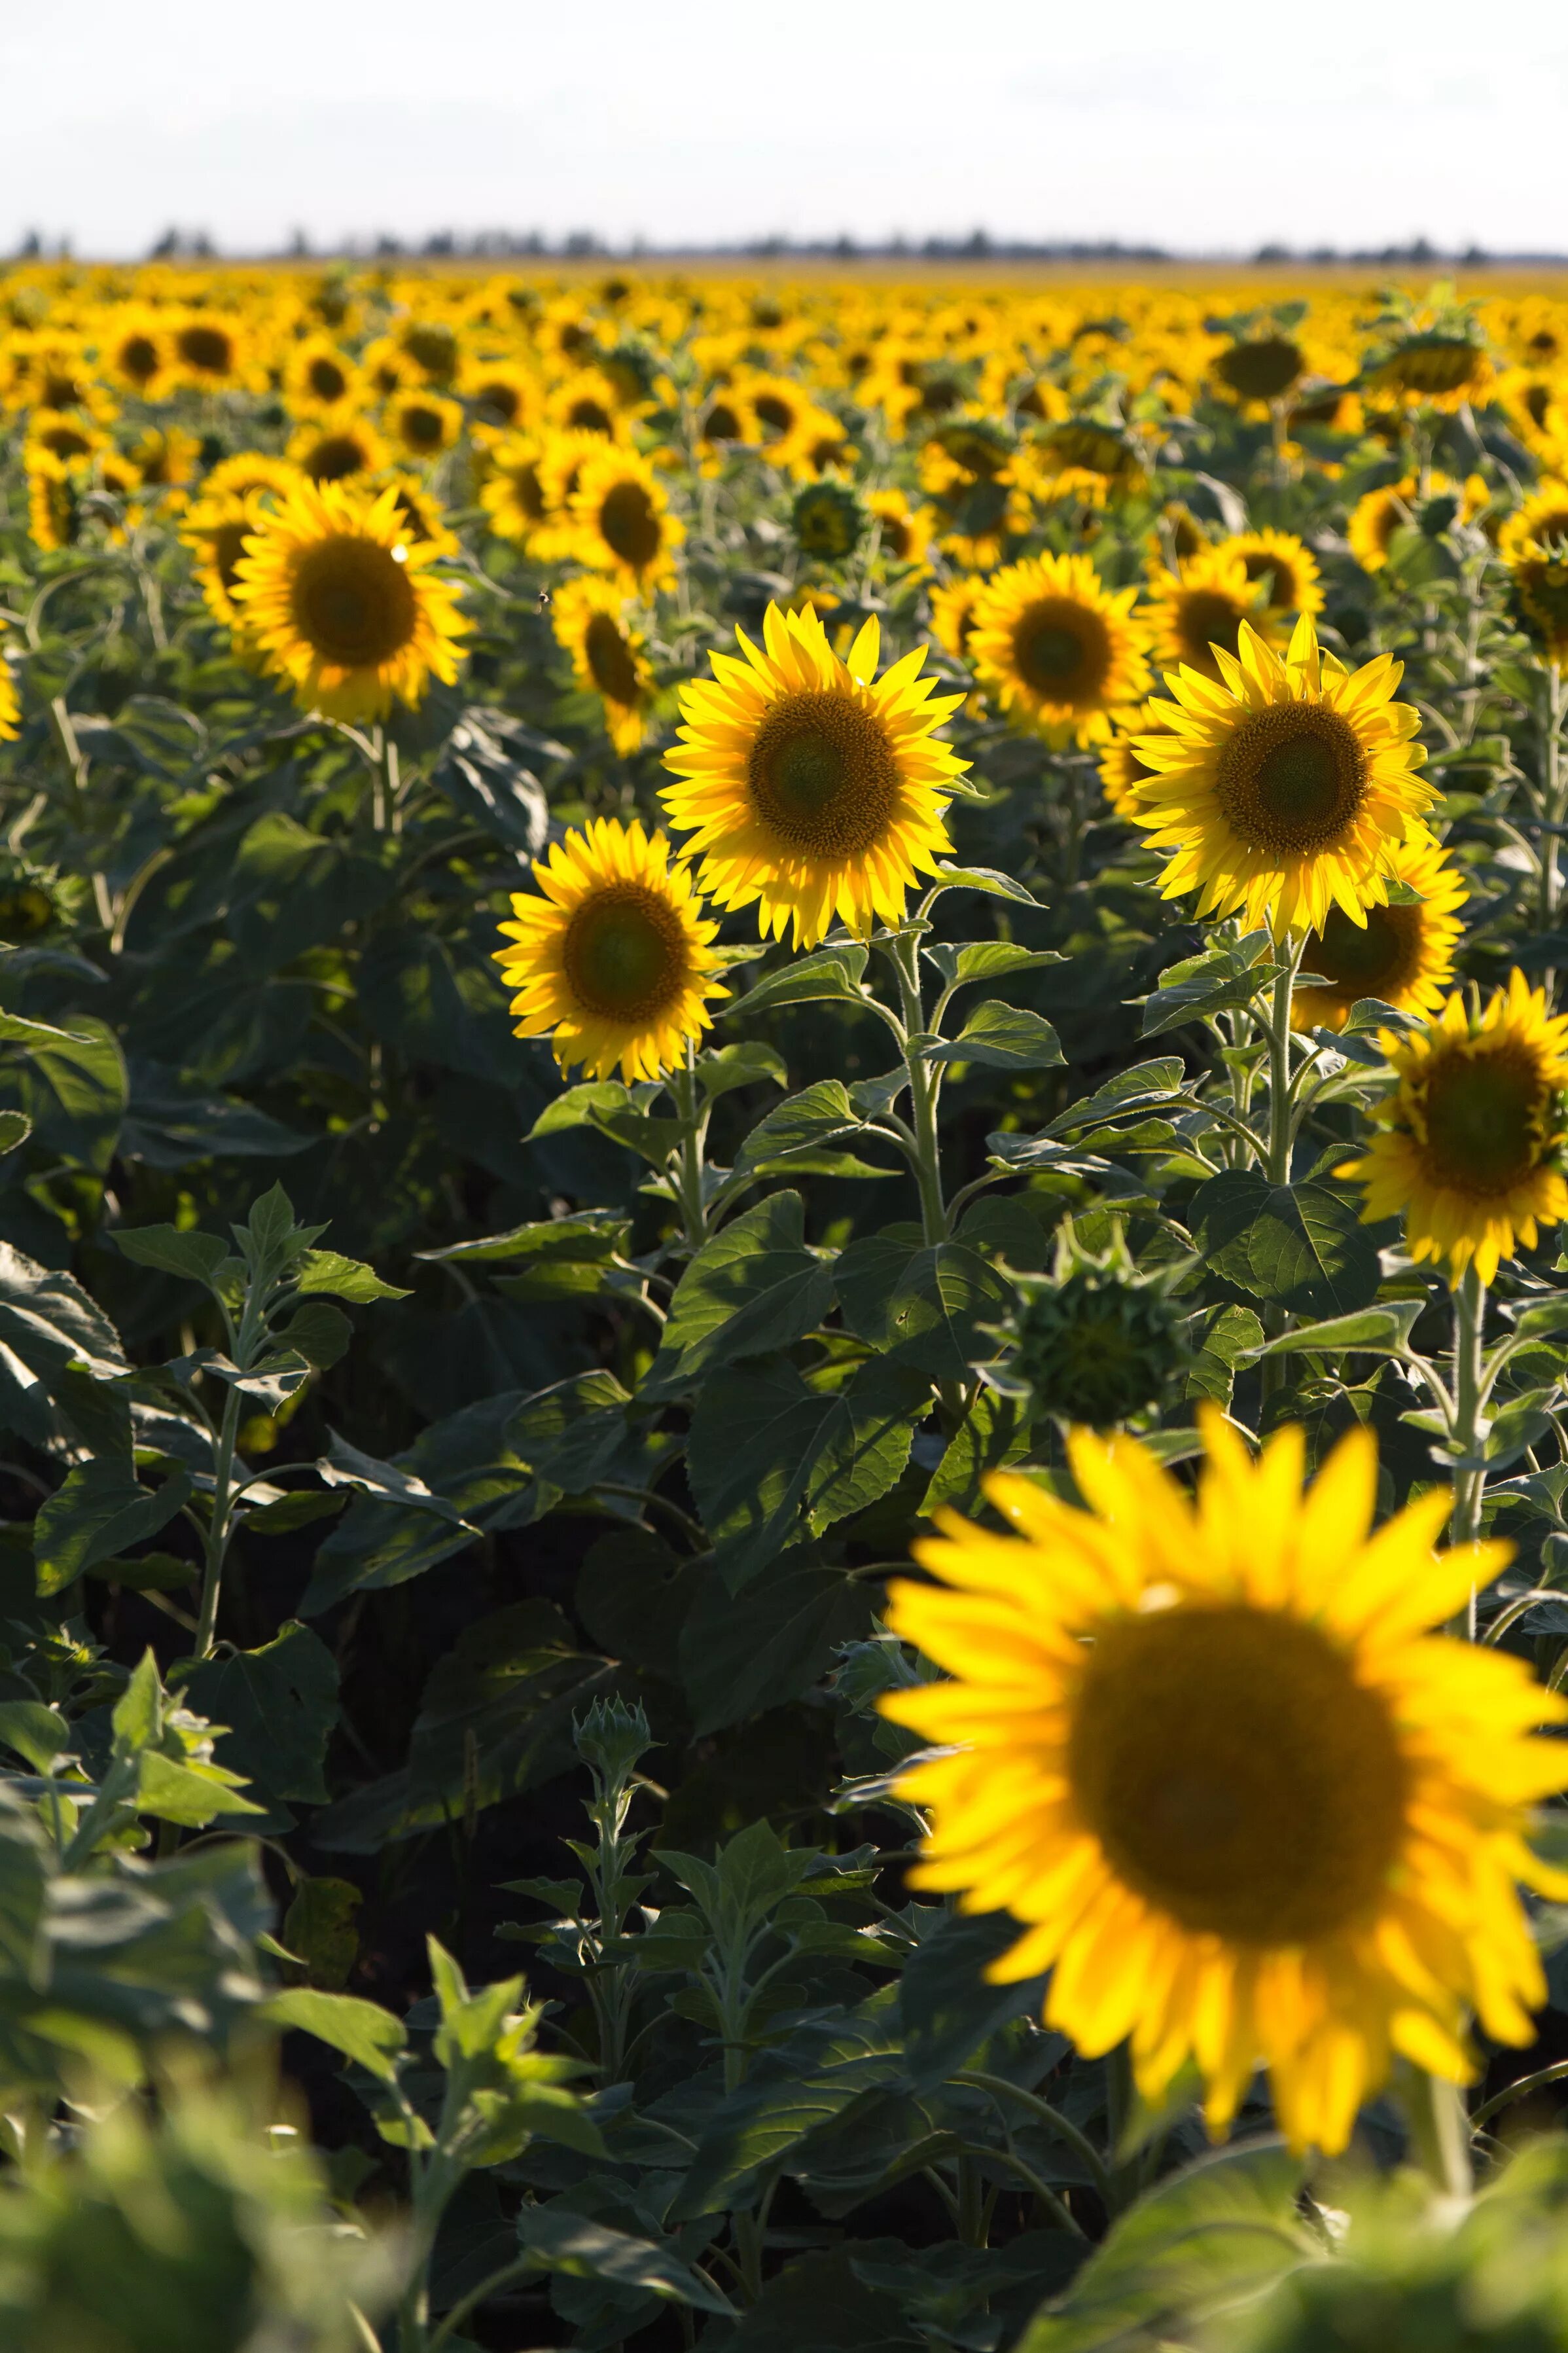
column 1401, row 955
column 1203, row 1750
column 952, row 614
column 1058, row 649
column 1096, row 1341
column 590, row 618
column 424, row 424
column 335, row 448
column 1284, row 787
column 1434, row 370
column 812, row 789
column 1471, row 1144
column 828, row 520
column 613, row 961
column 1121, row 772
column 621, row 520
column 1261, row 367
column 1196, row 612
column 10, row 709
column 1282, row 568
column 338, row 600
column 1538, row 584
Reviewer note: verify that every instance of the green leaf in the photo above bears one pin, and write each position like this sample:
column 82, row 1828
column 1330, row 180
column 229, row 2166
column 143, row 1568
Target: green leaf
column 741, row 1654
column 987, row 879
column 754, row 1287
column 173, row 1250
column 318, row 1927
column 75, row 1093
column 590, row 1239
column 748, row 1064
column 1144, row 1086
column 764, row 1448
column 991, row 1435
column 37, row 1733
column 561, row 2241
column 344, row 1278
column 1381, row 1331
column 47, row 1320
column 1301, row 1245
column 189, row 1795
column 1233, row 972
column 15, row 1127
column 1230, row 1338
column 987, row 960
column 362, row 2030
column 281, row 1704
column 1002, row 1036
column 97, row 1512
column 948, row 2008
column 923, row 1305
column 343, row 1465
column 318, row 1332
column 833, row 972
column 815, row 1116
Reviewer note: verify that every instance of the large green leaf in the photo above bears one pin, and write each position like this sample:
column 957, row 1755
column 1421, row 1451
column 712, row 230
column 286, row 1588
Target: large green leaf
column 753, row 1288
column 743, row 1652
column 1301, row 1246
column 925, row 1305
column 97, row 1511
column 281, row 1705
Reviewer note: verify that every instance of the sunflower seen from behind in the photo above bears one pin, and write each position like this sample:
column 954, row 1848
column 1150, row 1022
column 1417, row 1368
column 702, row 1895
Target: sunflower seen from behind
column 1057, row 648
column 590, row 620
column 339, row 600
column 613, row 961
column 1285, row 787
column 1470, row 1147
column 811, row 788
column 1242, row 1805
column 1402, row 955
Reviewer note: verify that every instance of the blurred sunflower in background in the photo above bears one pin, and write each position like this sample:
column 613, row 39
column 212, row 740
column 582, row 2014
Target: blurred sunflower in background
column 512, row 492
column 1201, row 607
column 812, row 789
column 1283, row 567
column 333, row 450
column 1121, row 772
column 614, row 962
column 1244, row 1806
column 589, row 617
column 621, row 520
column 953, row 604
column 10, row 708
column 1470, row 1144
column 339, row 602
column 422, row 424
column 1401, row 954
column 1284, row 787
column 320, row 380
column 1058, row 650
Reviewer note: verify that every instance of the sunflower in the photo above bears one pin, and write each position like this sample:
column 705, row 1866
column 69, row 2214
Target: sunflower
column 502, row 396
column 1244, row 1806
column 1058, row 649
column 589, row 617
column 828, row 519
column 1405, row 955
column 1377, row 515
column 55, row 491
column 621, row 520
column 1121, row 772
column 587, row 402
column 167, row 459
column 216, row 529
column 250, row 470
column 811, row 790
column 1284, row 788
column 1543, row 518
column 433, row 344
column 422, row 518
column 10, row 708
column 136, row 353
column 512, row 494
column 1538, row 577
column 614, row 963
column 1434, row 371
column 728, row 422
column 319, row 380
column 64, row 435
column 904, row 532
column 341, row 604
column 1196, row 611
column 1259, row 367
column 952, row 614
column 331, row 449
column 1285, row 569
column 209, row 350
column 1470, row 1151
column 423, row 424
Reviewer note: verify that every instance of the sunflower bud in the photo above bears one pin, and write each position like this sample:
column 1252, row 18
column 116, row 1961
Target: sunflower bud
column 1095, row 1341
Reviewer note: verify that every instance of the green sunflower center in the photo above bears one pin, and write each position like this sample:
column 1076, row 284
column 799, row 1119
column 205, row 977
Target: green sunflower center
column 1290, row 779
column 630, row 524
column 1261, row 370
column 610, row 659
column 824, row 775
column 1061, row 651
column 1482, row 1113
column 1235, row 1773
column 1375, row 960
column 624, row 952
column 353, row 603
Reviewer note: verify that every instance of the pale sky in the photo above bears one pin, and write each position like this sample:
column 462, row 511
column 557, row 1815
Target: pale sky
column 1202, row 125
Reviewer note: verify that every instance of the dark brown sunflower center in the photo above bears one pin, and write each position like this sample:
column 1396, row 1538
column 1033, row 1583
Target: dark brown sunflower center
column 139, row 358
column 610, row 659
column 625, row 954
column 1290, row 778
column 353, row 603
column 1207, row 617
column 630, row 524
column 206, row 349
column 421, row 428
column 1261, row 370
column 824, row 776
column 1061, row 651
column 1237, row 1774
column 589, row 416
column 775, row 411
column 334, row 457
column 1278, row 578
column 327, row 379
column 227, row 545
column 499, row 403
column 57, row 391
column 66, row 440
column 1482, row 1114
column 896, row 541
column 1543, row 593
column 722, row 425
column 527, row 495
column 1377, row 960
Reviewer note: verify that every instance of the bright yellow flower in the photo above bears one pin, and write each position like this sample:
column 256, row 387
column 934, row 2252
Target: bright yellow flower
column 1245, row 1807
column 1542, row 519
column 1283, row 566
column 1405, row 955
column 614, row 962
column 319, row 380
column 423, row 424
column 1058, row 649
column 589, row 617
column 333, row 448
column 1195, row 613
column 1121, row 772
column 621, row 520
column 1471, row 1146
column 340, row 601
column 1283, row 789
column 10, row 708
column 814, row 789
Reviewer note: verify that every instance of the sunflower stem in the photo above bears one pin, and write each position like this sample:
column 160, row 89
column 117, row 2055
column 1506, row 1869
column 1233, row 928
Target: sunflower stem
column 1280, row 1123
column 1439, row 2130
column 925, row 1085
column 1469, row 1486
column 1551, row 801
column 688, row 1156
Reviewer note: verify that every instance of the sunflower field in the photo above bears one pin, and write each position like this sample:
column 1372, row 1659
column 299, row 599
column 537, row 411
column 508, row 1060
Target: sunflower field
column 783, row 1315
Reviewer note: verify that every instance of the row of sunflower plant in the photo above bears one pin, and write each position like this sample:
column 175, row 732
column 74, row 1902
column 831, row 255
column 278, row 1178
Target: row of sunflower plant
column 784, row 1132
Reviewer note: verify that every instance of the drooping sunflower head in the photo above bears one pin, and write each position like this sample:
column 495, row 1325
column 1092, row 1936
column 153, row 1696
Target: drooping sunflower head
column 1258, row 367
column 621, row 520
column 1434, row 370
column 812, row 788
column 1059, row 651
column 1471, row 1144
column 1284, row 788
column 614, row 962
column 1401, row 955
column 590, row 618
column 1240, row 1801
column 337, row 601
column 828, row 520
column 1282, row 566
column 1196, row 612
